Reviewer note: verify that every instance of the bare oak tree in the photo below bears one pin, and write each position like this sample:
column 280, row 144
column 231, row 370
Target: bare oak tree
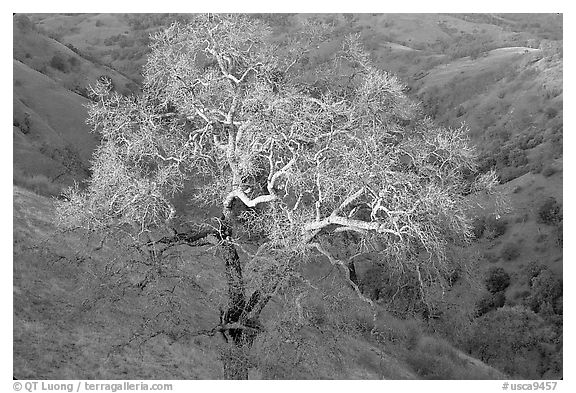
column 291, row 159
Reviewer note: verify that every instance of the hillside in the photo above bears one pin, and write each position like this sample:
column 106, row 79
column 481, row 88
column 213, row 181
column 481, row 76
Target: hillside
column 51, row 137
column 119, row 41
column 499, row 74
column 63, row 63
column 52, row 142
column 510, row 98
column 65, row 330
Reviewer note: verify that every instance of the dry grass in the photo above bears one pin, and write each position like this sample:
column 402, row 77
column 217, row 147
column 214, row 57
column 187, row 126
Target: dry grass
column 38, row 183
column 434, row 358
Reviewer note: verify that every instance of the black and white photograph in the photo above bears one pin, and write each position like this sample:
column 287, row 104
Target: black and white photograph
column 287, row 196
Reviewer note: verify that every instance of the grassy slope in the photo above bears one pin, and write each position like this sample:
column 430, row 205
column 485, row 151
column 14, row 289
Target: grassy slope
column 88, row 33
column 107, row 37
column 57, row 136
column 61, row 113
column 508, row 88
column 494, row 98
column 536, row 241
column 37, row 50
column 57, row 336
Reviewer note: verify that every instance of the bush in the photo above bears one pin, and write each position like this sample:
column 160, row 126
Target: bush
column 548, row 171
column 550, row 212
column 81, row 90
column 398, row 292
column 517, row 158
column 546, row 289
column 73, row 62
column 536, row 167
column 497, row 280
column 514, row 340
column 460, row 111
column 489, row 302
column 551, row 112
column 73, row 48
column 433, row 359
column 534, row 141
column 495, row 227
column 532, row 271
column 23, row 125
column 59, row 63
column 510, row 251
column 24, row 23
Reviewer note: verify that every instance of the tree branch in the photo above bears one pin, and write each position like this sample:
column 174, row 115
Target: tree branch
column 190, row 239
column 352, row 224
column 238, row 193
column 339, row 262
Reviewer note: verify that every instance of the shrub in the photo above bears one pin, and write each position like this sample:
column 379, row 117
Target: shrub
column 536, row 167
column 495, row 227
column 546, row 288
column 513, row 339
column 398, row 292
column 460, row 111
column 499, row 299
column 432, row 359
column 534, row 141
column 58, row 62
column 73, row 62
column 73, row 48
column 489, row 302
column 485, row 163
column 550, row 212
column 548, row 171
column 24, row 23
column 517, row 158
column 510, row 251
column 497, row 280
column 551, row 112
column 23, row 125
column 81, row 90
column 533, row 270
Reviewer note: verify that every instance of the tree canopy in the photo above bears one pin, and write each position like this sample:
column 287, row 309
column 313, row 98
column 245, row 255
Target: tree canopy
column 291, row 158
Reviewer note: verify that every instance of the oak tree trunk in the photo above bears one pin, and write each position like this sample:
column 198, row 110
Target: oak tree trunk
column 235, row 357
